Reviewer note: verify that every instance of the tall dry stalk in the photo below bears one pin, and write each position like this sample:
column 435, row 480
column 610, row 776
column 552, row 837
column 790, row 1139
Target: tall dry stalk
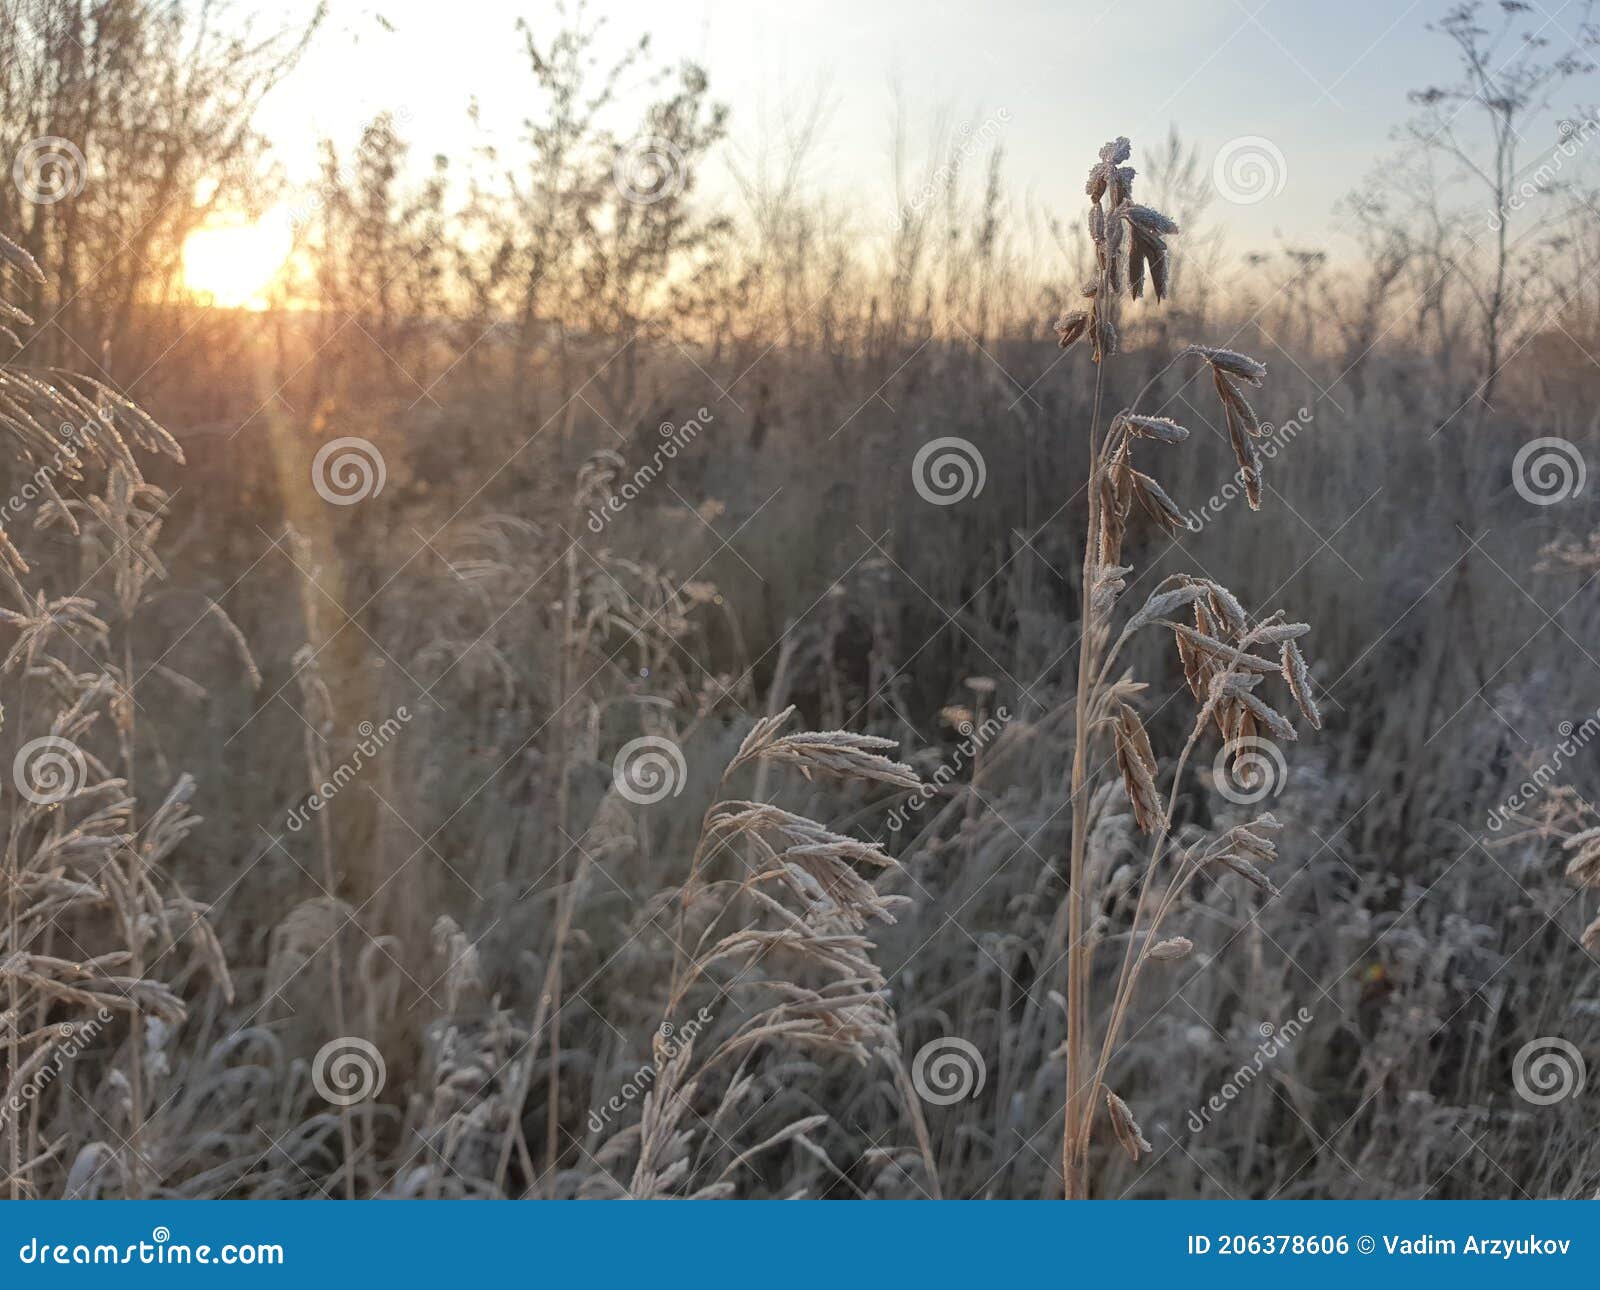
column 1217, row 653
column 91, row 919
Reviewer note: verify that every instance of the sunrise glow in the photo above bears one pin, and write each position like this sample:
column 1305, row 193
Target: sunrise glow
column 233, row 265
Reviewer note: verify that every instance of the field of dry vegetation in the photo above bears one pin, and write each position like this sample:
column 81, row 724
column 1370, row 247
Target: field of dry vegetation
column 605, row 689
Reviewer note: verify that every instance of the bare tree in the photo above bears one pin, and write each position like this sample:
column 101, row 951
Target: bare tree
column 596, row 225
column 1481, row 122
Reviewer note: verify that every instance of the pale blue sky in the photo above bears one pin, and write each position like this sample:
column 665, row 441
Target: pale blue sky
column 1323, row 80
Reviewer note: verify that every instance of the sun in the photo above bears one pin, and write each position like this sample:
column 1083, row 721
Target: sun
column 233, row 265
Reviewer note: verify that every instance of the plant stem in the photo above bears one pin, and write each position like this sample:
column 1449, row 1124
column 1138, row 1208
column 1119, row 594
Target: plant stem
column 1074, row 1158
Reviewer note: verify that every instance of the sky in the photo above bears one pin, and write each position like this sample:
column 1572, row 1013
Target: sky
column 1298, row 98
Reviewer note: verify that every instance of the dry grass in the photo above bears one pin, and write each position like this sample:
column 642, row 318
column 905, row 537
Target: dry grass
column 1218, row 656
column 996, row 827
column 95, row 929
